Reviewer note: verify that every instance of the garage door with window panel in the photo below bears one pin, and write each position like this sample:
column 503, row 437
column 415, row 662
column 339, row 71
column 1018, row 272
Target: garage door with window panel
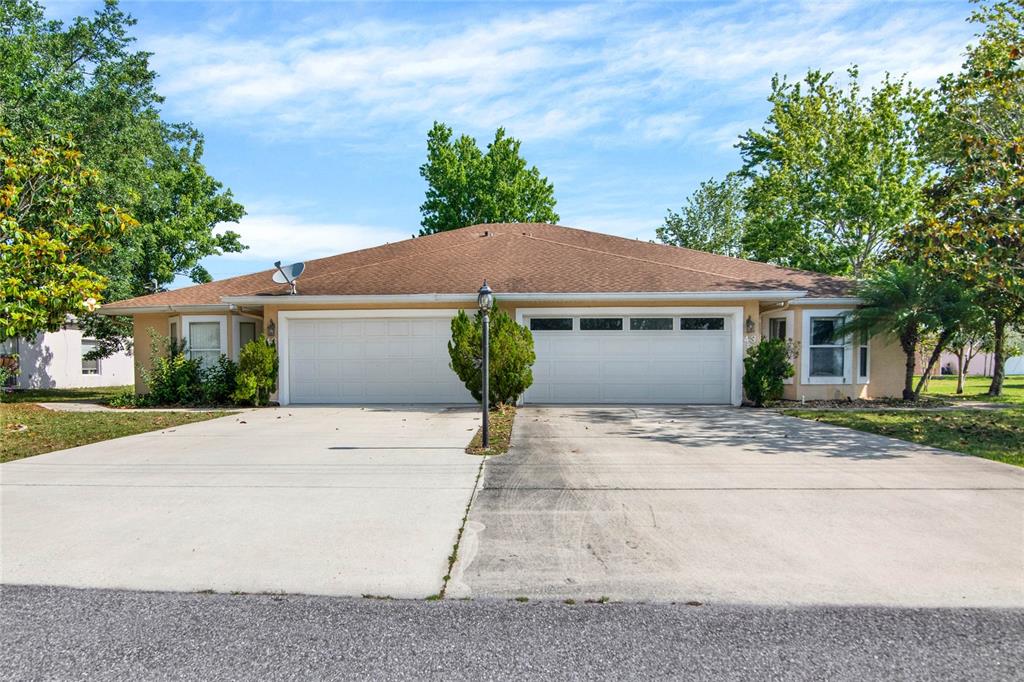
column 387, row 360
column 647, row 358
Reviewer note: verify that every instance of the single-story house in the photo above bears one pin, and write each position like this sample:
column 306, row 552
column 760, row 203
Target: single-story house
column 614, row 320
column 57, row 360
column 982, row 364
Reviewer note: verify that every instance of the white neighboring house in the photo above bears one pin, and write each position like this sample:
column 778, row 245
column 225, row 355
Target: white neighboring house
column 55, row 360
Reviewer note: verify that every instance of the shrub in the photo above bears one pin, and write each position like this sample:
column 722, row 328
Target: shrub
column 766, row 366
column 218, row 382
column 257, row 372
column 174, row 379
column 131, row 399
column 511, row 356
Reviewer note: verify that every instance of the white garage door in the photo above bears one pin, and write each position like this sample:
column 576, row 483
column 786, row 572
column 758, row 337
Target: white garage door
column 389, row 360
column 639, row 359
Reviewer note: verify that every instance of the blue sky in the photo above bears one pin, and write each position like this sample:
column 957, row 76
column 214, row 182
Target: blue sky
column 315, row 114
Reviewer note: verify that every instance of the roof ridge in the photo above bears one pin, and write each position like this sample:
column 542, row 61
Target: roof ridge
column 636, row 258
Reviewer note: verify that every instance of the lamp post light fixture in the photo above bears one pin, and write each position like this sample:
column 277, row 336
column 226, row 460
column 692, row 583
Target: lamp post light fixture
column 484, row 301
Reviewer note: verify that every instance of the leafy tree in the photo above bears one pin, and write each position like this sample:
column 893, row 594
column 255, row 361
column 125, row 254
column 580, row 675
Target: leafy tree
column 51, row 239
column 511, row 356
column 767, row 365
column 256, row 376
column 898, row 301
column 834, row 174
column 466, row 186
column 84, row 79
column 975, row 226
column 712, row 219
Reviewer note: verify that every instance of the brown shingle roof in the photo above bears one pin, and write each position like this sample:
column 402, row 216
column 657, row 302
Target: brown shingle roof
column 514, row 258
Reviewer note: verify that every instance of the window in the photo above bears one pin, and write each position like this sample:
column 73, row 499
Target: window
column 827, row 355
column 89, row 366
column 551, row 324
column 246, row 333
column 649, row 324
column 777, row 328
column 204, row 342
column 863, row 359
column 702, row 324
column 600, row 324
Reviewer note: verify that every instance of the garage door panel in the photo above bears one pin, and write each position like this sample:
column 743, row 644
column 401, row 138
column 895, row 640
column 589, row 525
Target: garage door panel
column 678, row 366
column 372, row 360
column 625, row 392
column 575, row 392
column 623, row 370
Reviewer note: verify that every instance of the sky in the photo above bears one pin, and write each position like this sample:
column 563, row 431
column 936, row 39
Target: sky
column 316, row 113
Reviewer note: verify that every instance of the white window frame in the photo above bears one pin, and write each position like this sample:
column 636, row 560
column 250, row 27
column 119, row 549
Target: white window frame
column 805, row 349
column 236, row 333
column 188, row 320
column 866, row 345
column 790, row 324
column 735, row 314
column 98, row 361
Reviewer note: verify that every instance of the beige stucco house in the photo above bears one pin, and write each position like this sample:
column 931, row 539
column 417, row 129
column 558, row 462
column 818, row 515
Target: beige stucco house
column 614, row 320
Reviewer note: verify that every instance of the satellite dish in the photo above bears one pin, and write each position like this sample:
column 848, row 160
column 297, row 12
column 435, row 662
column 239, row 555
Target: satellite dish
column 287, row 274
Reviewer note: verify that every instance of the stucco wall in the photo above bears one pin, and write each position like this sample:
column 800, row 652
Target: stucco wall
column 54, row 360
column 886, row 358
column 142, row 325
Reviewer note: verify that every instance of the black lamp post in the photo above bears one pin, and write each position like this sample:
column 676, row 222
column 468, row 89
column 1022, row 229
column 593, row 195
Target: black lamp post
column 484, row 300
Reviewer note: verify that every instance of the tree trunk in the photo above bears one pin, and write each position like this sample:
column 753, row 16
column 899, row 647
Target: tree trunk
column 961, row 369
column 998, row 361
column 909, row 345
column 934, row 358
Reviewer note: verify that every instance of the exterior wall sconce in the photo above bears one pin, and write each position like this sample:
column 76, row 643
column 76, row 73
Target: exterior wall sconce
column 748, row 326
column 271, row 330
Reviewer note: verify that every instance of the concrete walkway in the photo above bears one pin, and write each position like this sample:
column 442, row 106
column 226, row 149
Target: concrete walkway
column 90, row 406
column 727, row 505
column 325, row 500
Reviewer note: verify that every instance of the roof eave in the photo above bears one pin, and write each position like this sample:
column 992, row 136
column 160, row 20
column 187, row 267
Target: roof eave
column 301, row 299
column 164, row 308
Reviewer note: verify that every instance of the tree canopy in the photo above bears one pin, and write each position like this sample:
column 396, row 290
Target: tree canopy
column 49, row 239
column 975, row 225
column 83, row 79
column 833, row 174
column 712, row 219
column 467, row 186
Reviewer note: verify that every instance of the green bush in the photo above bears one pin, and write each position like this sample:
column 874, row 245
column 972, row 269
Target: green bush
column 218, row 382
column 257, row 372
column 173, row 379
column 511, row 356
column 766, row 366
column 131, row 399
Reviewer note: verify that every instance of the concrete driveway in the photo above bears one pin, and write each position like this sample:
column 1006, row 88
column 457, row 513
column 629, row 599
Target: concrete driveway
column 326, row 500
column 742, row 506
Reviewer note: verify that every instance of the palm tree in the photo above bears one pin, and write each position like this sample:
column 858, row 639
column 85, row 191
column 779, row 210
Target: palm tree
column 899, row 301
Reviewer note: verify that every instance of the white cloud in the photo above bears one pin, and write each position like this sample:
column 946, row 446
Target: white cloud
column 288, row 238
column 545, row 73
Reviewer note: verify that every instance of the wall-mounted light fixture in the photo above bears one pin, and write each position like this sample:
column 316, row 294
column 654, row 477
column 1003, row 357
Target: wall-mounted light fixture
column 748, row 326
column 271, row 330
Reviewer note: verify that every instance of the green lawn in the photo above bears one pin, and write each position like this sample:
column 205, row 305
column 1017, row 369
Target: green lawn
column 975, row 388
column 992, row 434
column 50, row 430
column 63, row 395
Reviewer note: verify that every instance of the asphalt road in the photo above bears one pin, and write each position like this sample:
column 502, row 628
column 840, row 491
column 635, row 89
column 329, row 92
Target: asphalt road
column 61, row 633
